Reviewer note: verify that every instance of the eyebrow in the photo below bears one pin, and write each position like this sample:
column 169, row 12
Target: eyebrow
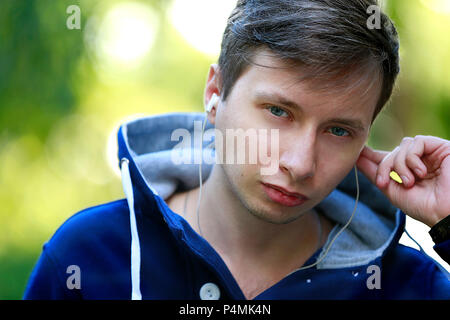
column 277, row 98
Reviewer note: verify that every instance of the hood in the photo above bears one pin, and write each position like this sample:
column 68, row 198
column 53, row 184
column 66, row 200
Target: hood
column 149, row 175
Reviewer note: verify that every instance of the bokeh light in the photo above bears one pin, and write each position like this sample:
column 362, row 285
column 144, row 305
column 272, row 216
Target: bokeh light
column 124, row 36
column 439, row 6
column 202, row 22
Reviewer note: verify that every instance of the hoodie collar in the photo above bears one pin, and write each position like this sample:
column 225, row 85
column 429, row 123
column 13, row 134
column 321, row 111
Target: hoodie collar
column 148, row 142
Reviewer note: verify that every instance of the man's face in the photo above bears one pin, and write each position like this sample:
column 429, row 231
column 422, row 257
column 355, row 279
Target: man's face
column 320, row 137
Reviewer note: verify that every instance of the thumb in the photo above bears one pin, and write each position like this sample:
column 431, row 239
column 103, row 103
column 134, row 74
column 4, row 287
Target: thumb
column 368, row 167
column 375, row 156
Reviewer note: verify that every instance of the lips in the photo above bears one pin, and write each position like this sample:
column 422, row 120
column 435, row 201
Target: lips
column 289, row 193
column 282, row 196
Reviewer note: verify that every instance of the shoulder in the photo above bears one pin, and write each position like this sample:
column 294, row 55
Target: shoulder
column 99, row 217
column 90, row 227
column 412, row 274
column 402, row 254
column 91, row 245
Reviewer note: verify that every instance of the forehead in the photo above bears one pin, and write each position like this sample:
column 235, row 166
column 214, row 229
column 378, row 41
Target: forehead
column 354, row 91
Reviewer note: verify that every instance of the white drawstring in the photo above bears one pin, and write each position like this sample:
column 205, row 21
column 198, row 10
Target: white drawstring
column 135, row 246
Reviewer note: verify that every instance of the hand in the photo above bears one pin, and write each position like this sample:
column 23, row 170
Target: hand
column 423, row 164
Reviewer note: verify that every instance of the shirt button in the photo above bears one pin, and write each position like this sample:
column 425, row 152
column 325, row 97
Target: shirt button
column 209, row 291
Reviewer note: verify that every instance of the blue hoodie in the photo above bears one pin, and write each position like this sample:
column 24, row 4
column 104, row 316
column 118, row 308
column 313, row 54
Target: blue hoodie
column 138, row 248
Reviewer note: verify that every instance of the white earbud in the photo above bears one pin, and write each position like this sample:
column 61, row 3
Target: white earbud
column 212, row 102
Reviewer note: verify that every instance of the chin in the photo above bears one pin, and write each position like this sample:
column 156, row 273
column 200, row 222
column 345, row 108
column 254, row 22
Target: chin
column 275, row 216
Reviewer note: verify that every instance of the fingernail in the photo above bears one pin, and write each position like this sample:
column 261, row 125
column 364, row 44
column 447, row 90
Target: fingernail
column 418, row 172
column 379, row 180
column 405, row 179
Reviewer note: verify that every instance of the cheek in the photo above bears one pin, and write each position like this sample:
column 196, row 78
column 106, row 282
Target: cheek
column 342, row 159
column 242, row 177
column 344, row 154
column 335, row 165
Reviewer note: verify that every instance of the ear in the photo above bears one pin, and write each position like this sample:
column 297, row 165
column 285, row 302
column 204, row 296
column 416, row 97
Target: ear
column 212, row 86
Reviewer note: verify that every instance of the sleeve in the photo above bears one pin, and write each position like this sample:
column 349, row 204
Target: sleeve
column 443, row 250
column 45, row 282
column 441, row 279
column 440, row 233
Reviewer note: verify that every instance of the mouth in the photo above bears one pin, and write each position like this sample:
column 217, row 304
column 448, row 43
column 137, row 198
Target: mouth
column 282, row 196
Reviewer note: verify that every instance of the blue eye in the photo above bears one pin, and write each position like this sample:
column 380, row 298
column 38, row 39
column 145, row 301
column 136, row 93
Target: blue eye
column 277, row 111
column 340, row 132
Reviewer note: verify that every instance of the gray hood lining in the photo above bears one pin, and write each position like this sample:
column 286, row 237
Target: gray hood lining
column 372, row 229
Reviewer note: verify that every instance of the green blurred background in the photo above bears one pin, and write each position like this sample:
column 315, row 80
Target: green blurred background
column 63, row 93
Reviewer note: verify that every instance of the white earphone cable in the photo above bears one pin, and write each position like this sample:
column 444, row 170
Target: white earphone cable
column 340, row 231
column 200, row 177
column 331, row 242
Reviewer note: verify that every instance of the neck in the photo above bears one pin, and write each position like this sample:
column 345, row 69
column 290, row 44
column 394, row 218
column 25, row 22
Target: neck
column 236, row 233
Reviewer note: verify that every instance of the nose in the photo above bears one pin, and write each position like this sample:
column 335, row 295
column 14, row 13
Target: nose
column 298, row 158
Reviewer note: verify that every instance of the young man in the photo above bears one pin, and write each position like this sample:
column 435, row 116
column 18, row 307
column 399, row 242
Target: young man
column 314, row 73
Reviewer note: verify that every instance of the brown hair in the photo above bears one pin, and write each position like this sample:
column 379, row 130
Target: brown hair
column 329, row 38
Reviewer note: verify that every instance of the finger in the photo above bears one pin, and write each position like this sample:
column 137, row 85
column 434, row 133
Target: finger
column 429, row 144
column 375, row 155
column 399, row 163
column 367, row 167
column 413, row 158
column 385, row 167
column 428, row 153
